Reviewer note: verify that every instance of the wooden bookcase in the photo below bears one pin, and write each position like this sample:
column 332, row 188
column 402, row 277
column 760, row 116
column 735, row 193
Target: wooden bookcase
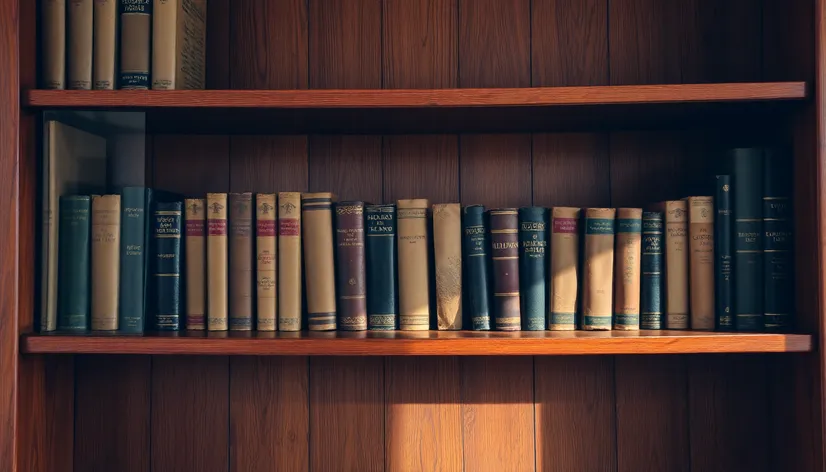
column 499, row 102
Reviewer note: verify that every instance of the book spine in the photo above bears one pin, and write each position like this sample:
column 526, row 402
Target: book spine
column 265, row 246
column 477, row 275
column 105, row 261
column 289, row 261
column 747, row 164
column 164, row 34
column 597, row 290
column 217, row 289
column 53, row 37
column 778, row 261
column 381, row 267
column 676, row 264
column 701, row 270
column 651, row 309
column 414, row 269
column 447, row 246
column 316, row 211
column 105, row 44
column 565, row 271
column 79, row 61
column 240, row 261
column 504, row 236
column 196, row 269
column 167, row 225
column 533, row 262
column 74, row 263
column 627, row 267
column 135, row 43
column 132, row 260
column 351, row 267
column 723, row 312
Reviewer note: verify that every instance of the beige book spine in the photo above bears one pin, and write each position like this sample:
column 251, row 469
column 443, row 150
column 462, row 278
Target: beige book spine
column 53, row 36
column 289, row 261
column 317, row 216
column 195, row 213
column 135, row 46
column 265, row 244
column 180, row 26
column 627, row 269
column 164, row 34
column 597, row 280
column 447, row 242
column 81, row 28
column 564, row 280
column 105, row 261
column 414, row 270
column 676, row 264
column 241, row 270
column 701, row 269
column 105, row 44
column 217, row 287
column 48, row 279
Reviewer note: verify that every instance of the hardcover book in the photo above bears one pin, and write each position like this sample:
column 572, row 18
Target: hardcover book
column 651, row 308
column 627, row 269
column 414, row 270
column 79, row 61
column 105, row 44
column 75, row 263
column 504, row 237
column 135, row 44
column 179, row 39
column 382, row 308
column 134, row 220
column 778, row 242
column 565, row 271
column 533, row 262
column 598, row 268
column 447, row 245
column 351, row 266
column 265, row 246
column 317, row 216
column 289, row 261
column 747, row 166
column 477, row 272
column 723, row 311
column 217, row 287
column 196, row 268
column 53, row 40
column 240, row 261
column 105, row 261
column 676, row 264
column 701, row 237
column 167, row 246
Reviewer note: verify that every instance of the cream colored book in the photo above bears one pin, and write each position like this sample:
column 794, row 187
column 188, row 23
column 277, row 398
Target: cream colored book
column 289, row 261
column 53, row 38
column 414, row 268
column 105, row 44
column 179, row 44
column 676, row 264
column 80, row 16
column 598, row 270
column 627, row 269
column 217, row 262
column 135, row 44
column 196, row 270
column 701, row 265
column 105, row 261
column 317, row 219
column 265, row 264
column 447, row 242
column 564, row 279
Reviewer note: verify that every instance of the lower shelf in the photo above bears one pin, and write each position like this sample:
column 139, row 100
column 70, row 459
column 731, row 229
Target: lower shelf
column 421, row 343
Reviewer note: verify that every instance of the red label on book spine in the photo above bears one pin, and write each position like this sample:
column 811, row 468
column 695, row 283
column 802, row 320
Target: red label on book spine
column 565, row 225
column 266, row 228
column 289, row 227
column 195, row 227
column 217, row 227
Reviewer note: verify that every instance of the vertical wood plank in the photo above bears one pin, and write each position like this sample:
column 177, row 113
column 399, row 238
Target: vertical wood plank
column 496, row 169
column 268, row 163
column 421, row 167
column 348, row 166
column 191, row 165
column 571, row 169
column 218, row 44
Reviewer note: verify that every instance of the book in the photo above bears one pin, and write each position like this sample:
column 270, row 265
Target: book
column 723, row 311
column 289, row 261
column 504, row 237
column 319, row 262
column 167, row 218
column 627, row 267
column 382, row 310
column 80, row 14
column 701, row 264
column 533, row 267
column 133, row 247
column 565, row 271
column 53, row 39
column 75, row 263
column 105, row 44
column 414, row 265
column 135, row 44
column 105, row 261
column 447, row 248
column 598, row 268
column 351, row 266
column 240, row 261
column 179, row 44
column 676, row 264
column 196, row 268
column 747, row 167
column 217, row 259
column 651, row 283
column 477, row 272
column 778, row 242
column 265, row 261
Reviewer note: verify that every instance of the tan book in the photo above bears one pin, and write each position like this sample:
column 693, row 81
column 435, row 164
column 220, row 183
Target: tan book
column 627, row 269
column 79, row 59
column 564, row 278
column 105, row 44
column 265, row 245
column 217, row 287
column 196, row 270
column 53, row 37
column 676, row 264
column 179, row 44
column 414, row 270
column 447, row 244
column 241, row 277
column 105, row 261
column 135, row 45
column 289, row 261
column 598, row 270
column 317, row 216
column 701, row 265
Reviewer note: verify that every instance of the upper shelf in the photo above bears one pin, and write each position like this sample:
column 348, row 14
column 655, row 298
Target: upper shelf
column 425, row 110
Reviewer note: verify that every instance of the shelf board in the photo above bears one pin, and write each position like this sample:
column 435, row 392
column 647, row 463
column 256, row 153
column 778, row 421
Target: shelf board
column 423, row 343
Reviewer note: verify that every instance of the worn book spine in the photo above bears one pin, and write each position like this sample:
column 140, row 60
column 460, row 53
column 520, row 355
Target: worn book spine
column 701, row 264
column 217, row 287
column 105, row 44
column 414, row 266
column 447, row 246
column 723, row 310
column 676, row 264
column 74, row 256
column 266, row 249
column 105, row 261
column 196, row 269
column 476, row 266
column 651, row 307
column 289, row 261
column 382, row 308
column 179, row 33
column 627, row 269
column 351, row 266
column 135, row 44
column 240, row 262
column 133, row 260
column 598, row 268
column 565, row 271
column 504, row 237
column 747, row 166
column 778, row 242
column 533, row 265
column 79, row 59
column 317, row 216
column 167, row 247
column 53, row 38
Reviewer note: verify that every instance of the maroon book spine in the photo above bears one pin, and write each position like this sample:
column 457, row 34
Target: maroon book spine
column 350, row 263
column 504, row 232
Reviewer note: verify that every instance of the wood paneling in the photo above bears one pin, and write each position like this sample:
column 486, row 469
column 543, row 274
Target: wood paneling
column 348, row 166
column 268, row 163
column 191, row 165
column 495, row 170
column 218, row 44
column 421, row 167
column 571, row 169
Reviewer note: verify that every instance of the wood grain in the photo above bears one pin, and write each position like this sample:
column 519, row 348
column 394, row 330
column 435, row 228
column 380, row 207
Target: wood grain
column 494, row 43
column 268, row 163
column 421, row 167
column 348, row 166
column 191, row 165
column 495, row 170
column 571, row 169
column 218, row 44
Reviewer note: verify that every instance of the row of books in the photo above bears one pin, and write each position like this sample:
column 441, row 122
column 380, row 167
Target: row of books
column 126, row 44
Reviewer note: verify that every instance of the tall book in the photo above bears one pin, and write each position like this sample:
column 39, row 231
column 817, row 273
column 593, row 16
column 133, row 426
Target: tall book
column 504, row 242
column 627, row 269
column 414, row 267
column 447, row 247
column 319, row 261
column 382, row 310
column 80, row 14
column 676, row 264
column 701, row 265
column 266, row 249
column 240, row 261
column 134, row 220
column 74, row 264
column 651, row 308
column 105, row 261
column 179, row 39
column 533, row 262
column 105, row 44
column 53, row 39
column 351, row 267
column 196, row 268
column 476, row 266
column 167, row 222
column 598, row 268
column 778, row 242
column 289, row 261
column 565, row 272
column 747, row 167
column 135, row 44
column 217, row 287
column 723, row 310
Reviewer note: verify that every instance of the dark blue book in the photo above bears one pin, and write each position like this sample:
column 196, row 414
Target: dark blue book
column 74, row 263
column 533, row 266
column 651, row 307
column 167, row 221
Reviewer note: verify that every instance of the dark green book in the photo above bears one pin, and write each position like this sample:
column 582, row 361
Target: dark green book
column 133, row 252
column 651, row 283
column 778, row 262
column 167, row 221
column 747, row 167
column 533, row 266
column 476, row 268
column 382, row 307
column 74, row 259
column 723, row 310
